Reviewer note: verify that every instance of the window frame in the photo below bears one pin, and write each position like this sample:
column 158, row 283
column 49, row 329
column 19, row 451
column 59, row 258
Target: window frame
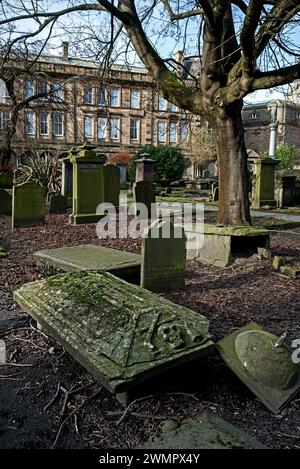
column 91, row 117
column 33, row 122
column 61, row 114
column 46, row 122
column 164, row 122
column 118, row 89
column 138, row 106
column 138, row 126
column 103, row 118
column 118, row 127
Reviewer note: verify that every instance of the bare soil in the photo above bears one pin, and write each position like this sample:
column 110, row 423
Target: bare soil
column 52, row 401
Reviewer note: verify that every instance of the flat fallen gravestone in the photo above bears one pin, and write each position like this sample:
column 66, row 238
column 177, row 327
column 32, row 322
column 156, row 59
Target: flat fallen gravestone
column 263, row 363
column 90, row 257
column 206, row 431
column 121, row 333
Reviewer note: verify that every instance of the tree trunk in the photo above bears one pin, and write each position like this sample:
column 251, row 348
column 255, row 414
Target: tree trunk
column 234, row 206
column 5, row 155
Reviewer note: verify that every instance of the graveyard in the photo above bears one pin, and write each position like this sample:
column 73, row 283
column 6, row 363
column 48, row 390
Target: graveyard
column 140, row 342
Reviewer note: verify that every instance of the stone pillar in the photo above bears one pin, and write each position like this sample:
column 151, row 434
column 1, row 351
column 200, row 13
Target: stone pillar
column 273, row 140
column 88, row 185
column 265, row 183
column 144, row 187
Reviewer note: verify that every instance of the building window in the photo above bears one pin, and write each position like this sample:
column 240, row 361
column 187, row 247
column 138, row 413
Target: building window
column 28, row 89
column 3, row 91
column 88, row 96
column 29, row 123
column 162, row 131
column 115, row 97
column 253, row 115
column 58, row 123
column 135, row 98
column 43, row 89
column 184, row 131
column 173, row 107
column 44, row 123
column 57, row 92
column 101, row 97
column 102, row 126
column 134, row 129
column 173, row 132
column 162, row 104
column 115, row 128
column 88, row 126
column 4, row 120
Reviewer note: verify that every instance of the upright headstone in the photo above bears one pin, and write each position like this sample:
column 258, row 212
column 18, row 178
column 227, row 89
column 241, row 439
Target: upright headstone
column 58, row 203
column 265, row 182
column 144, row 187
column 28, row 205
column 67, row 176
column 6, row 180
column 123, row 175
column 88, row 185
column 112, row 184
column 163, row 257
column 286, row 191
column 5, row 202
column 206, row 173
column 215, row 191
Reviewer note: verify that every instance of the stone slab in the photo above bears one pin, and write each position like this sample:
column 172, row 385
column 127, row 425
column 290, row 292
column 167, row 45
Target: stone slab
column 58, row 203
column 243, row 230
column 267, row 371
column 90, row 257
column 121, row 333
column 287, row 265
column 206, row 431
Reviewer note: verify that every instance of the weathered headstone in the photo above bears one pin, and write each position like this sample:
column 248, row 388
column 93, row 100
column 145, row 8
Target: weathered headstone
column 263, row 363
column 144, row 187
column 285, row 191
column 205, row 431
column 163, row 257
column 264, row 182
column 88, row 185
column 28, row 205
column 5, row 202
column 206, row 173
column 111, row 184
column 119, row 332
column 58, row 203
column 222, row 244
column 89, row 257
column 123, row 175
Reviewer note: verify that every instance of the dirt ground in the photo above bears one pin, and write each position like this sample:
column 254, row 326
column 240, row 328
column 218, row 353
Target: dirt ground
column 48, row 400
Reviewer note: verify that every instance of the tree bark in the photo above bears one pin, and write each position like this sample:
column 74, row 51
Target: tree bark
column 234, row 206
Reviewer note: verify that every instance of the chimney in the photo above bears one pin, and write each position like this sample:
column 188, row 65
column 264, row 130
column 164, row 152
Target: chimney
column 65, row 48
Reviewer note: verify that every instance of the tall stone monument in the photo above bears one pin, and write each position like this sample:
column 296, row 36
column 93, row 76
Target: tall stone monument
column 144, row 187
column 163, row 257
column 88, row 185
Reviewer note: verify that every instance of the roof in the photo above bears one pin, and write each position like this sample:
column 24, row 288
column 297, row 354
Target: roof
column 90, row 64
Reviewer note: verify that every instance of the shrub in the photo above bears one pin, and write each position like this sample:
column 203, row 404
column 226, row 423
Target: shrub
column 170, row 163
column 286, row 155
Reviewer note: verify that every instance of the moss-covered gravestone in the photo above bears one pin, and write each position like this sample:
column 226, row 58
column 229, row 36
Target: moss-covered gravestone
column 58, row 203
column 264, row 363
column 28, row 205
column 5, row 202
column 88, row 185
column 119, row 332
column 206, row 431
column 265, row 183
column 163, row 257
column 111, row 184
column 6, row 180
